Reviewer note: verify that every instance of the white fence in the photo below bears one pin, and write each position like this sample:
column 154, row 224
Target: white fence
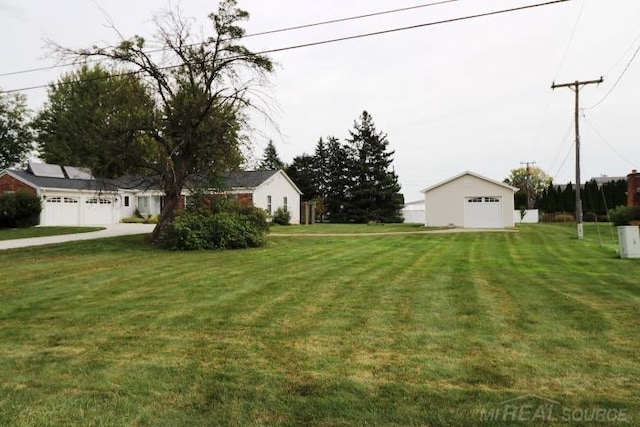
column 530, row 217
column 412, row 216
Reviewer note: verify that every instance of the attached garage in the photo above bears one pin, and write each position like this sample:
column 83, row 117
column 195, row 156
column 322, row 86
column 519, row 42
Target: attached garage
column 60, row 210
column 69, row 195
column 469, row 200
column 80, row 208
column 99, row 209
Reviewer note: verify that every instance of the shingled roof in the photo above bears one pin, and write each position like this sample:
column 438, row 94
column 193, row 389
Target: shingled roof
column 248, row 179
column 233, row 180
column 61, row 183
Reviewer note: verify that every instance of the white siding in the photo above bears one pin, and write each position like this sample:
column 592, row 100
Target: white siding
column 445, row 204
column 126, row 211
column 278, row 187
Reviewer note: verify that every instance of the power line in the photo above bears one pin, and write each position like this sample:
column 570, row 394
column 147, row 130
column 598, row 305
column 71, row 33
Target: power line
column 412, row 27
column 588, row 122
column 263, row 33
column 340, row 39
column 617, row 81
column 569, row 149
column 566, row 156
column 564, row 57
column 335, row 21
column 573, row 34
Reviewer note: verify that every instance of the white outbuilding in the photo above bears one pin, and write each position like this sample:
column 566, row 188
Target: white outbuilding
column 469, row 200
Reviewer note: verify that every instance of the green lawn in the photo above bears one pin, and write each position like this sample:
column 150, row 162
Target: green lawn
column 325, row 228
column 400, row 330
column 23, row 233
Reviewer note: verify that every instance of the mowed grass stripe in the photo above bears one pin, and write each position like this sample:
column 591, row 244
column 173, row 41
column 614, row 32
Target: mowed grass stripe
column 382, row 330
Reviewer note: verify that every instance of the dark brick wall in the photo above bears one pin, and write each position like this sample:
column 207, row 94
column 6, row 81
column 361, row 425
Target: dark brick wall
column 9, row 183
column 633, row 184
column 246, row 199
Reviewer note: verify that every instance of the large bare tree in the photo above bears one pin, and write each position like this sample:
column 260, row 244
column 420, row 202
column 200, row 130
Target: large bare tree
column 203, row 87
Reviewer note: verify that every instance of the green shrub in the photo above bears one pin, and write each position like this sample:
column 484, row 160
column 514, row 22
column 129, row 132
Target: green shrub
column 133, row 220
column 558, row 217
column 624, row 215
column 281, row 216
column 200, row 229
column 19, row 210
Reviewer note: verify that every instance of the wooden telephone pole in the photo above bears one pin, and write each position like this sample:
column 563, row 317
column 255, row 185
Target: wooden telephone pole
column 575, row 86
column 530, row 192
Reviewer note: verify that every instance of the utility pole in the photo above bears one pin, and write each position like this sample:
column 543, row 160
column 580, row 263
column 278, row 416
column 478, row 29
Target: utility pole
column 530, row 196
column 575, row 86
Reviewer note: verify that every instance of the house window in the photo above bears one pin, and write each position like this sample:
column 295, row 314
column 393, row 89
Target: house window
column 143, row 205
column 474, row 200
column 54, row 200
column 492, row 200
column 70, row 200
column 284, row 203
column 269, row 205
column 126, row 201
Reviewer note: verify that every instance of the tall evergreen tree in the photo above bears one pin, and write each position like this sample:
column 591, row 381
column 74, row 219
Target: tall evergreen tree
column 270, row 159
column 321, row 168
column 376, row 191
column 302, row 173
column 338, row 194
column 569, row 196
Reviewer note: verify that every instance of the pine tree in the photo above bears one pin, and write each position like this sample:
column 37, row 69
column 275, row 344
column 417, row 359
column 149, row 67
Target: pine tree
column 302, row 173
column 337, row 200
column 569, row 196
column 549, row 199
column 270, row 159
column 376, row 191
column 321, row 168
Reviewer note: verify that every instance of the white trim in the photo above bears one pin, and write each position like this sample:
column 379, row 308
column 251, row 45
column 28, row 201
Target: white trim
column 281, row 172
column 460, row 175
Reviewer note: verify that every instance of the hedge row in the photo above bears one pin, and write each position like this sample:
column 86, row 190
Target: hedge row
column 19, row 210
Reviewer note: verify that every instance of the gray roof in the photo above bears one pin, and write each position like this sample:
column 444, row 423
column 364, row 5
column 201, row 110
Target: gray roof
column 236, row 179
column 248, row 179
column 61, row 183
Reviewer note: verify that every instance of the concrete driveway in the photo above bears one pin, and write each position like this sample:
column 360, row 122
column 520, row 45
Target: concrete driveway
column 111, row 230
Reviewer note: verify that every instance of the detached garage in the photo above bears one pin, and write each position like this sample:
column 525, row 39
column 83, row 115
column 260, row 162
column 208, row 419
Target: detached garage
column 469, row 200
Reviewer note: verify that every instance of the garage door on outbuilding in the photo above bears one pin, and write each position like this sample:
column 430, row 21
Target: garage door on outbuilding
column 483, row 212
column 469, row 200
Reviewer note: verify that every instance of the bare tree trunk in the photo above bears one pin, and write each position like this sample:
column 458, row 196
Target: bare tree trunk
column 171, row 205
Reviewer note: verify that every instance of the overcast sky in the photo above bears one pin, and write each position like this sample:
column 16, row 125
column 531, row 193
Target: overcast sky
column 469, row 95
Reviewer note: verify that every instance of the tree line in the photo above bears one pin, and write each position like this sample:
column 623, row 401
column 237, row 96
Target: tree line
column 350, row 181
column 596, row 199
column 535, row 184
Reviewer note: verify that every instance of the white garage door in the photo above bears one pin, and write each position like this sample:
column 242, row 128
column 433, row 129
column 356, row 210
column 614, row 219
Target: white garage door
column 98, row 210
column 61, row 210
column 483, row 212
